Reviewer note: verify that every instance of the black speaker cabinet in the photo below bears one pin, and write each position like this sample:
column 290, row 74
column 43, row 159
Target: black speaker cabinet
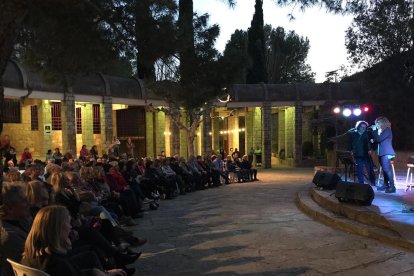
column 358, row 193
column 326, row 180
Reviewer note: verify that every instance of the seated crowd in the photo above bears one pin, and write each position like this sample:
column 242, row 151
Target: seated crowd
column 67, row 216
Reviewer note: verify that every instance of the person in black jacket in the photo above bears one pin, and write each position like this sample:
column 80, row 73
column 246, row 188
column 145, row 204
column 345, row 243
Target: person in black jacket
column 360, row 146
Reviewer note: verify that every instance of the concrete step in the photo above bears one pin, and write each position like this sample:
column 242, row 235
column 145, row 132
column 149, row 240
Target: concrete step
column 363, row 214
column 382, row 233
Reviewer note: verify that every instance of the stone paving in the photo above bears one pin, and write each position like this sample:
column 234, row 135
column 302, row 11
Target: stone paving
column 256, row 229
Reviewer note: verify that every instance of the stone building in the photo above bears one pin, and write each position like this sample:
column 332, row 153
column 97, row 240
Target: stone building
column 277, row 119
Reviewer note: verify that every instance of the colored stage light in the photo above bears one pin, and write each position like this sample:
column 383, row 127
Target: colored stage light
column 337, row 110
column 347, row 112
column 365, row 108
column 357, row 111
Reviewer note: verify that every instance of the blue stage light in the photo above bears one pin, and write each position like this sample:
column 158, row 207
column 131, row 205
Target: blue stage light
column 347, row 112
column 357, row 111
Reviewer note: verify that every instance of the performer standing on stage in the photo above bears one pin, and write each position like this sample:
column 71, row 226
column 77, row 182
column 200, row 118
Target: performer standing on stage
column 383, row 135
column 360, row 146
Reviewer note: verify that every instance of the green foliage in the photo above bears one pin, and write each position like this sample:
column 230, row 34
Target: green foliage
column 381, row 39
column 335, row 6
column 385, row 86
column 205, row 79
column 154, row 33
column 380, row 30
column 235, row 59
column 63, row 40
column 285, row 56
column 338, row 74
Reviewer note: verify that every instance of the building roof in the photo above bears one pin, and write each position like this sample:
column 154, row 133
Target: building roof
column 18, row 76
column 296, row 92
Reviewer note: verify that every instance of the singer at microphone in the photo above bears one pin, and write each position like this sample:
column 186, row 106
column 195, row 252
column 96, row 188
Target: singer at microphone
column 360, row 146
column 386, row 153
column 352, row 130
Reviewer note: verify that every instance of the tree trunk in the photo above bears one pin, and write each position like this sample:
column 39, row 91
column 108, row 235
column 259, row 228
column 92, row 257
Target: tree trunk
column 190, row 143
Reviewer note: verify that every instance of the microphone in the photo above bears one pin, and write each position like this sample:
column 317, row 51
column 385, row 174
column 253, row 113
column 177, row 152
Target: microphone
column 352, row 130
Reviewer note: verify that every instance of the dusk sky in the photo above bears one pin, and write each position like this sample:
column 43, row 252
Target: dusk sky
column 325, row 31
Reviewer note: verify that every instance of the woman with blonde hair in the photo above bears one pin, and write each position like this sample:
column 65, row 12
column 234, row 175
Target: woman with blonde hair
column 91, row 229
column 48, row 243
column 383, row 135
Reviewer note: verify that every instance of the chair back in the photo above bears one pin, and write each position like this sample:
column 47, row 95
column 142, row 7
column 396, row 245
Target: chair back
column 22, row 270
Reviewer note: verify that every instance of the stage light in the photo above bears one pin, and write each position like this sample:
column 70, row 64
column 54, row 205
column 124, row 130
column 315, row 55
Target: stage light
column 337, row 110
column 365, row 108
column 347, row 112
column 357, row 111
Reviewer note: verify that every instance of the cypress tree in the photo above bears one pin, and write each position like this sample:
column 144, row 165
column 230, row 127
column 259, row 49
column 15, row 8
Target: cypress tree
column 256, row 71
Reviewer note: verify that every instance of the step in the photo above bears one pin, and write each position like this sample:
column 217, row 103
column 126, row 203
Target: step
column 363, row 214
column 306, row 203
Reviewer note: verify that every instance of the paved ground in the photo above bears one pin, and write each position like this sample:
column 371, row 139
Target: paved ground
column 256, row 229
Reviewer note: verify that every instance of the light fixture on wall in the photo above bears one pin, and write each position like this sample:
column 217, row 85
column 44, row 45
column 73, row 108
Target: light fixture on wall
column 222, row 132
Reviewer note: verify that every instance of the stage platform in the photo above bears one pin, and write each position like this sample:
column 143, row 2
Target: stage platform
column 389, row 219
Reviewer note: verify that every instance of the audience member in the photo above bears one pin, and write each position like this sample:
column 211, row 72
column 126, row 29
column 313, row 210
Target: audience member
column 48, row 244
column 84, row 153
column 130, row 148
column 15, row 223
column 26, row 158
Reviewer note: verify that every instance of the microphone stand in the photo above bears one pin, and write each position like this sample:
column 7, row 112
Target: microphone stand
column 332, row 139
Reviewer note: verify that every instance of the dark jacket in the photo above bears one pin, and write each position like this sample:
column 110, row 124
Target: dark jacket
column 359, row 144
column 384, row 142
column 69, row 201
column 54, row 265
column 13, row 235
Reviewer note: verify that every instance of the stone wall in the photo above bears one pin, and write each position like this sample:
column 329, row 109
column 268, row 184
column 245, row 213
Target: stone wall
column 257, row 127
column 22, row 136
column 267, row 135
column 215, row 134
column 39, row 142
column 233, row 124
column 290, row 132
column 167, row 133
column 68, row 124
column 159, row 135
column 149, row 118
column 275, row 132
column 282, row 132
